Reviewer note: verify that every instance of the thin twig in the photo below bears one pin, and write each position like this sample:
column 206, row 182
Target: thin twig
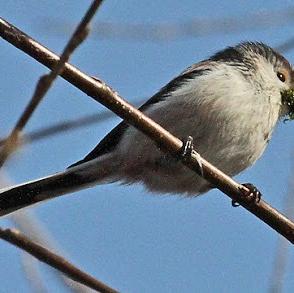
column 43, row 254
column 47, row 80
column 102, row 93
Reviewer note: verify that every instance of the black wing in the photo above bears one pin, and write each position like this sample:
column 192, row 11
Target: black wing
column 112, row 139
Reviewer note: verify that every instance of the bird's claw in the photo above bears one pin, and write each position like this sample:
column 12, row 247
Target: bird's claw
column 235, row 203
column 188, row 149
column 253, row 194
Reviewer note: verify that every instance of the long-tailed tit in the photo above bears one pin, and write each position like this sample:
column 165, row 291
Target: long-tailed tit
column 229, row 103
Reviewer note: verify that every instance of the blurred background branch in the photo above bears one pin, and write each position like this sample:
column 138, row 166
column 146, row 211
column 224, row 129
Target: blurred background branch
column 162, row 32
column 43, row 254
column 28, row 223
column 282, row 255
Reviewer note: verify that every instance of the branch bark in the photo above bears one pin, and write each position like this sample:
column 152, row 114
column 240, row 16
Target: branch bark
column 43, row 254
column 102, row 93
column 47, row 80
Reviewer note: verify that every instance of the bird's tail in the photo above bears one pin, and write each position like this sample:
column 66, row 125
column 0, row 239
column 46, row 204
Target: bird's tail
column 73, row 179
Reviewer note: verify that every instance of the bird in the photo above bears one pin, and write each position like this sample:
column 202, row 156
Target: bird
column 229, row 104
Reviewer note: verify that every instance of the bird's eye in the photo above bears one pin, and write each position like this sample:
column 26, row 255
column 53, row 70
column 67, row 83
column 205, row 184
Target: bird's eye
column 281, row 77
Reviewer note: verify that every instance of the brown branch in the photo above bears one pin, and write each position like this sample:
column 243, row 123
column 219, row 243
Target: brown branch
column 28, row 224
column 30, row 265
column 90, row 119
column 16, row 238
column 47, row 80
column 100, row 92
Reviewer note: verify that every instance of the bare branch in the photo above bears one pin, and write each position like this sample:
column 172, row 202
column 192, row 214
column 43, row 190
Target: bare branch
column 16, row 238
column 47, row 80
column 28, row 224
column 90, row 119
column 102, row 93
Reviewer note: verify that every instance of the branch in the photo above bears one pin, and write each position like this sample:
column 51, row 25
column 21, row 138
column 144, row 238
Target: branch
column 102, row 93
column 16, row 238
column 28, row 224
column 90, row 119
column 47, row 80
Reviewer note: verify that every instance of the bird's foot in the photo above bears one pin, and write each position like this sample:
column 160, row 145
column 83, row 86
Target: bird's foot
column 187, row 150
column 253, row 194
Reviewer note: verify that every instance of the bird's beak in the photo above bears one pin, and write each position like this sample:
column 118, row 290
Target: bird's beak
column 288, row 101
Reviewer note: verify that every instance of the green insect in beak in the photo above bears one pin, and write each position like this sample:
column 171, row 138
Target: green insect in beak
column 288, row 100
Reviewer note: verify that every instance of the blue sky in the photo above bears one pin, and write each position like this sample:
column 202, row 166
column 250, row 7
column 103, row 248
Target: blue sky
column 133, row 240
